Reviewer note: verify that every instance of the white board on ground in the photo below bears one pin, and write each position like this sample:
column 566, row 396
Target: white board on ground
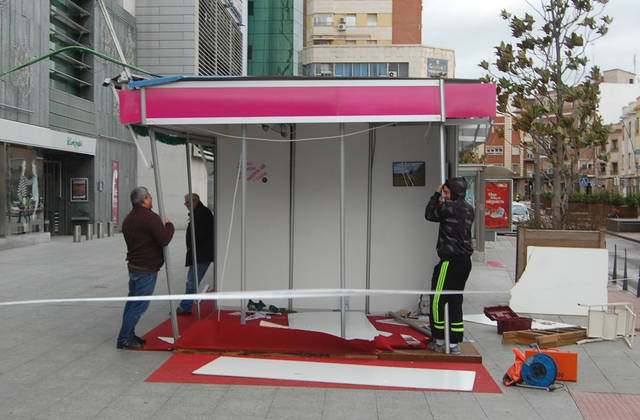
column 536, row 324
column 556, row 280
column 357, row 326
column 340, row 373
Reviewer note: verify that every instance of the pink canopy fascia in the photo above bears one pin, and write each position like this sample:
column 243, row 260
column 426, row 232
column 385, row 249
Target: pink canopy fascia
column 201, row 100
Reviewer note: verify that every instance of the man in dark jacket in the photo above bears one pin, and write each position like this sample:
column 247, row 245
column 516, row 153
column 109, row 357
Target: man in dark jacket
column 145, row 235
column 203, row 227
column 449, row 207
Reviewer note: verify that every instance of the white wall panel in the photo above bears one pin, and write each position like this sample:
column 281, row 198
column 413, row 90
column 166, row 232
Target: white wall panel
column 403, row 242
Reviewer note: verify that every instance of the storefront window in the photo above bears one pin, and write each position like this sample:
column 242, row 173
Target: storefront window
column 25, row 198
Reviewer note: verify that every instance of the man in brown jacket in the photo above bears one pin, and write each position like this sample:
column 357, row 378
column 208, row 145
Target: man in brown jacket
column 145, row 235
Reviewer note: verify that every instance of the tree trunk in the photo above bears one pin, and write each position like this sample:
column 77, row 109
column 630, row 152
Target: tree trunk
column 556, row 198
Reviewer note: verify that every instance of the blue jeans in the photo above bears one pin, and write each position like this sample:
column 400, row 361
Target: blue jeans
column 140, row 284
column 191, row 284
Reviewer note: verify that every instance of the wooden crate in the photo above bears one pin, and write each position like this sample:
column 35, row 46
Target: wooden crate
column 545, row 338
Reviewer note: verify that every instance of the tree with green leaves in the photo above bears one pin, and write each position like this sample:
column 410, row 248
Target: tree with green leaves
column 544, row 83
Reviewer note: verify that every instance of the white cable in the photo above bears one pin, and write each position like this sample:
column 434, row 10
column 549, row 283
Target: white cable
column 256, row 294
column 226, row 251
column 354, row 133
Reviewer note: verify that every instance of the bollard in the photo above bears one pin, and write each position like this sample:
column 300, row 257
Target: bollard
column 100, row 230
column 109, row 229
column 77, row 231
column 625, row 281
column 89, row 231
column 614, row 275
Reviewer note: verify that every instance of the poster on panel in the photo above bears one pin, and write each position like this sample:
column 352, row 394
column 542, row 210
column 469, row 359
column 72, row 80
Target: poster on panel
column 497, row 213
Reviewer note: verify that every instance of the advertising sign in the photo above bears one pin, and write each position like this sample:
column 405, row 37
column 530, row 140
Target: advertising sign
column 79, row 189
column 114, row 193
column 497, row 213
column 437, row 67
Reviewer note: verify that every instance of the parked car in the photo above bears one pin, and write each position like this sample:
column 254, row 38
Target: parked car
column 519, row 213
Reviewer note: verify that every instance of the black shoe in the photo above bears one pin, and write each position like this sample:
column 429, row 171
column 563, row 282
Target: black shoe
column 132, row 343
column 139, row 339
column 182, row 312
column 255, row 306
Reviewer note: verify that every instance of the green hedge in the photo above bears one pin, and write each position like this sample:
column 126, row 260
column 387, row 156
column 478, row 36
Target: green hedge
column 607, row 197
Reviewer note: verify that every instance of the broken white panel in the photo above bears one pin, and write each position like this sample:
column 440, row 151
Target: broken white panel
column 169, row 340
column 340, row 373
column 536, row 324
column 557, row 280
column 357, row 326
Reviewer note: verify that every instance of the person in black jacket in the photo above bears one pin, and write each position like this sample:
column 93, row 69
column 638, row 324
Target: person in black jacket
column 449, row 207
column 203, row 226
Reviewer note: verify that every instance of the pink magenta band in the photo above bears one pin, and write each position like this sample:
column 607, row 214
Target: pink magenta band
column 461, row 101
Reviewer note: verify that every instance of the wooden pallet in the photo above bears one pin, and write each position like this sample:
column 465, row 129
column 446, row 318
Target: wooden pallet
column 545, row 338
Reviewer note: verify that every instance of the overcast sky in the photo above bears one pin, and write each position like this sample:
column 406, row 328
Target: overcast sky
column 474, row 27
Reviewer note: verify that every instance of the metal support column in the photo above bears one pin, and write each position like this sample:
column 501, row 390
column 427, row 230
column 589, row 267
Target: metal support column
column 372, row 151
column 165, row 250
column 243, row 234
column 292, row 204
column 342, row 236
column 443, row 140
column 194, row 261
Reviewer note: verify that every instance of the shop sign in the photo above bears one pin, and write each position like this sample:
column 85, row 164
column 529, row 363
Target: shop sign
column 33, row 135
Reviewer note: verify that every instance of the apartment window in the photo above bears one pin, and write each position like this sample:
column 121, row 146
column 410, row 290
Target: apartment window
column 614, row 145
column 321, row 42
column 343, row 69
column 71, row 71
column 324, row 69
column 372, row 19
column 360, row 69
column 614, row 168
column 494, row 150
column 515, row 150
column 378, row 70
column 603, row 168
column 515, row 169
column 350, row 20
column 323, row 20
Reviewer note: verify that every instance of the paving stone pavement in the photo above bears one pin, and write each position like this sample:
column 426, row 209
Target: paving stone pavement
column 60, row 361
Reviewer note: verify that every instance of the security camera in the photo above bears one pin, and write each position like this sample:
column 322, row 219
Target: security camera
column 106, row 82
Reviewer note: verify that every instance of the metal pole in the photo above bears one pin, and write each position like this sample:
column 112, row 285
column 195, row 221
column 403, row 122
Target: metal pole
column 292, row 204
column 625, row 281
column 342, row 235
column 443, row 162
column 243, row 234
column 192, row 226
column 638, row 285
column 165, row 250
column 447, row 339
column 77, row 233
column 372, row 150
column 614, row 275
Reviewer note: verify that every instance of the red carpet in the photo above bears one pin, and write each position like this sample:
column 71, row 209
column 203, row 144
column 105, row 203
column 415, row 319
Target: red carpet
column 179, row 367
column 229, row 334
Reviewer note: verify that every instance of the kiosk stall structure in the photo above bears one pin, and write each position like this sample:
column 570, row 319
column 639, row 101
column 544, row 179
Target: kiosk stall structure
column 333, row 176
